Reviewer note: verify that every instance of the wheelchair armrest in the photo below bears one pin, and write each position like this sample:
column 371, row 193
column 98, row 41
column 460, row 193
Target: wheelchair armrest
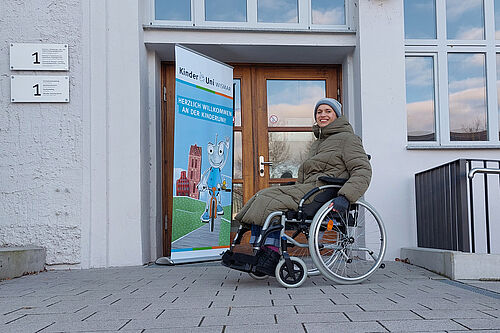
column 332, row 180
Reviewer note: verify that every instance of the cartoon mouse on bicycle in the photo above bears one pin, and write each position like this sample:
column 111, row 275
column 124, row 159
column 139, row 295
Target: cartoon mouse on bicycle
column 211, row 180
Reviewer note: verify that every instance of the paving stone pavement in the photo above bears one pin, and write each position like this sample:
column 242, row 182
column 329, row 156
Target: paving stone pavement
column 208, row 297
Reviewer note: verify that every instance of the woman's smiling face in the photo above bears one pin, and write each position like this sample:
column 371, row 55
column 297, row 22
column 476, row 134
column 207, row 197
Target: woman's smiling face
column 325, row 115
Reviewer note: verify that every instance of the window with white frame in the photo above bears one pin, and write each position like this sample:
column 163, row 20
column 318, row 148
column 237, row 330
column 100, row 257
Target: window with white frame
column 226, row 10
column 452, row 72
column 172, row 10
column 253, row 14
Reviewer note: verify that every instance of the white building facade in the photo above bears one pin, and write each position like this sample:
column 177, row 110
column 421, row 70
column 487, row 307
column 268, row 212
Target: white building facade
column 86, row 179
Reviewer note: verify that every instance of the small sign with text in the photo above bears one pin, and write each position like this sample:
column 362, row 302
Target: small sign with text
column 39, row 89
column 41, row 57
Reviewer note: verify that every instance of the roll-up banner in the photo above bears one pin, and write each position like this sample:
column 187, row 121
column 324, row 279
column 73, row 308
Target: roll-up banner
column 203, row 157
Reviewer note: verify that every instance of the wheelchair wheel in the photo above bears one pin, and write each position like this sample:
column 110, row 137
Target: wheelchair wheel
column 292, row 279
column 258, row 276
column 347, row 248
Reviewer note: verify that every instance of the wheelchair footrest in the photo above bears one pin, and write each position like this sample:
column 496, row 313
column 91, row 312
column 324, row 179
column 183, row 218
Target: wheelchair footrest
column 239, row 261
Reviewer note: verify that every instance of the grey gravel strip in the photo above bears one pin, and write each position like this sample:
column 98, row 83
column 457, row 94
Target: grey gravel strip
column 478, row 290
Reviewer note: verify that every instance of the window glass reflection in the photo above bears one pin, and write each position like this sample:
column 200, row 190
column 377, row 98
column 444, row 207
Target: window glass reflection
column 498, row 92
column 497, row 19
column 467, row 96
column 277, row 11
column 328, row 11
column 287, row 150
column 237, row 157
column 237, row 194
column 226, row 10
column 420, row 99
column 291, row 102
column 420, row 19
column 237, row 102
column 464, row 19
column 173, row 10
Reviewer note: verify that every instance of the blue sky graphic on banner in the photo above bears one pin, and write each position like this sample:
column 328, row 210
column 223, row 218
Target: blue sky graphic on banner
column 203, row 156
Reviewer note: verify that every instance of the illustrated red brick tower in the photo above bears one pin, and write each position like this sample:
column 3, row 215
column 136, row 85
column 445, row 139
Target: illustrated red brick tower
column 194, row 170
column 182, row 185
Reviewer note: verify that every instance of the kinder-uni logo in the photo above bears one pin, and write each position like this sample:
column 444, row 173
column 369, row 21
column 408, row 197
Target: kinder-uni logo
column 190, row 74
column 205, row 79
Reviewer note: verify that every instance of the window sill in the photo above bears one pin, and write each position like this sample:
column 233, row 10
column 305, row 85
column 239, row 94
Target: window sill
column 451, row 146
column 247, row 28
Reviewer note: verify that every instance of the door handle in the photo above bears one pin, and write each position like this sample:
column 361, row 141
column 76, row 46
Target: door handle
column 261, row 165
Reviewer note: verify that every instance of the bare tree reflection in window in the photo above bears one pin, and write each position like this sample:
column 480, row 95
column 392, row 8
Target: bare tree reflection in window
column 237, row 198
column 472, row 131
column 279, row 154
column 287, row 151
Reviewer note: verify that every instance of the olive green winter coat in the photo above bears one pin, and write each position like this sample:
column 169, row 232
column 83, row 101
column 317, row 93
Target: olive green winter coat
column 337, row 152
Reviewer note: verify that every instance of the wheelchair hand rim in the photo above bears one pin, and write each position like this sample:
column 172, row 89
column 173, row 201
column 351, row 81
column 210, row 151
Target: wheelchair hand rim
column 316, row 255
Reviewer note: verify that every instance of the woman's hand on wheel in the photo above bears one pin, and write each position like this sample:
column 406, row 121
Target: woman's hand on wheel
column 340, row 204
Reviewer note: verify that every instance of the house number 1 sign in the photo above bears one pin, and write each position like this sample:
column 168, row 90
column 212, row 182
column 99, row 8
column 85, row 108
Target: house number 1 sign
column 39, row 57
column 38, row 88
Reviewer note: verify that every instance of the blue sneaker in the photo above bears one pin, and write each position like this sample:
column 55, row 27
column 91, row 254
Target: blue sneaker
column 220, row 211
column 205, row 218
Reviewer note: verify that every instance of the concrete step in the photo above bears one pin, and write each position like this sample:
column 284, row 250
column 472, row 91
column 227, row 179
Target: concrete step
column 18, row 261
column 455, row 264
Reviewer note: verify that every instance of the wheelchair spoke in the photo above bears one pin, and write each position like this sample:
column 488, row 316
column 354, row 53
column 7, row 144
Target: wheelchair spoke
column 331, row 247
column 352, row 248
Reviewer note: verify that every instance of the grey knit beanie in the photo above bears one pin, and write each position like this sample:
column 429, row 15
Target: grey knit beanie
column 336, row 106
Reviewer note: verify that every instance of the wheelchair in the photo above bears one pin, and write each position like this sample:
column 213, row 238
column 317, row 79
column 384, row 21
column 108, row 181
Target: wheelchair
column 346, row 248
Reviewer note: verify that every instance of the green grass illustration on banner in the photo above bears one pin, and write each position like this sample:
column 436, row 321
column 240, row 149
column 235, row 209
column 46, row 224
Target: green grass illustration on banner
column 225, row 227
column 187, row 212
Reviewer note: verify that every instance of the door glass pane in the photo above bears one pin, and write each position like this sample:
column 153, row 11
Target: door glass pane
column 420, row 99
column 328, row 11
column 467, row 96
column 464, row 19
column 226, row 10
column 291, row 102
column 237, row 102
column 498, row 92
column 237, row 198
column 287, row 150
column 277, row 11
column 420, row 19
column 238, row 156
column 173, row 10
column 497, row 19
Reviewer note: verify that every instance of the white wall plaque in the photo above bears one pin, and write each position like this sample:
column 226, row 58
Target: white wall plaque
column 42, row 57
column 39, row 89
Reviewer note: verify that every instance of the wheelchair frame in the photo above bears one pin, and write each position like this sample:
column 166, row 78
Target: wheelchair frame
column 292, row 271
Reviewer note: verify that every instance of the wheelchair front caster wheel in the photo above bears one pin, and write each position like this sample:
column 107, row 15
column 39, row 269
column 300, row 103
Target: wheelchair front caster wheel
column 293, row 278
column 258, row 276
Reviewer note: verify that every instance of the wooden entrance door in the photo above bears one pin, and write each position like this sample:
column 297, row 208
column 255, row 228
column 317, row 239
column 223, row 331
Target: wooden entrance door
column 273, row 118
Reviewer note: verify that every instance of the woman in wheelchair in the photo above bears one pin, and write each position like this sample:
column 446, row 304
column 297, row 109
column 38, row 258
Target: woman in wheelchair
column 337, row 152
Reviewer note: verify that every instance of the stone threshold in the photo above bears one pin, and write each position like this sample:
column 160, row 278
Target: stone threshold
column 19, row 261
column 455, row 265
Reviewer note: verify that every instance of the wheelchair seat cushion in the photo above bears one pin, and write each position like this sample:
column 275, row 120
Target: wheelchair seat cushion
column 319, row 200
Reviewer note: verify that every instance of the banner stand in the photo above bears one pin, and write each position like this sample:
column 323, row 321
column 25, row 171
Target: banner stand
column 203, row 159
column 164, row 261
